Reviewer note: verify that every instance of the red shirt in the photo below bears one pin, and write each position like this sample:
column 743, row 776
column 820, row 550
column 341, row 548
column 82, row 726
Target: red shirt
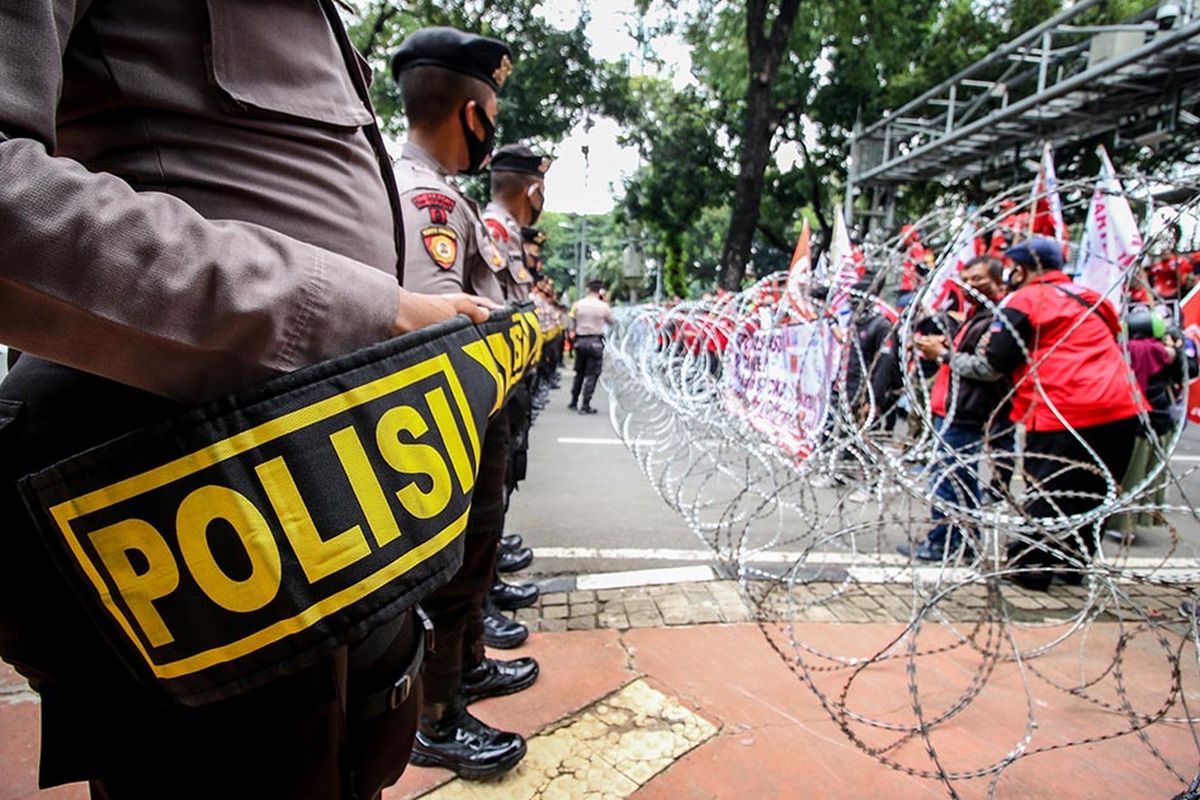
column 1080, row 370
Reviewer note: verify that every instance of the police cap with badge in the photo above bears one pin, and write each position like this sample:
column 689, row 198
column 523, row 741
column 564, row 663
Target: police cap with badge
column 533, row 235
column 521, row 158
column 488, row 60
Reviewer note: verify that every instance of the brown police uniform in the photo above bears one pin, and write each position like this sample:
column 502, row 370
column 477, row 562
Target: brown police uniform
column 505, row 232
column 445, row 238
column 449, row 250
column 196, row 198
column 589, row 317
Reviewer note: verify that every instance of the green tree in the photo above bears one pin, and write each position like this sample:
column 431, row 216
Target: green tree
column 556, row 81
column 684, row 171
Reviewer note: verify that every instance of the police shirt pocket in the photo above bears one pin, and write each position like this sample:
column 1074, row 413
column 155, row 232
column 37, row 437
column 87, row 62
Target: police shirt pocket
column 280, row 57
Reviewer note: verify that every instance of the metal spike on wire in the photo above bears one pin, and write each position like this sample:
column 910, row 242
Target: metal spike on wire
column 736, row 414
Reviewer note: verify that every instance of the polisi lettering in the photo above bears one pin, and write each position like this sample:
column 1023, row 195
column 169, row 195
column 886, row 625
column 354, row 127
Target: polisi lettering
column 144, row 570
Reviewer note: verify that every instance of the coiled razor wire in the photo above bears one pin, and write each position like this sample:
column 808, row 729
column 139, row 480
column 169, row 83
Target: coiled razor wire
column 828, row 484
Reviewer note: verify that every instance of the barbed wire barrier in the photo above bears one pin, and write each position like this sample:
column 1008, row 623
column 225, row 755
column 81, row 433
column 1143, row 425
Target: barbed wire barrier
column 736, row 409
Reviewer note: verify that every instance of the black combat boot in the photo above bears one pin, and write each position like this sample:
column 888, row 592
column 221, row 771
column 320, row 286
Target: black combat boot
column 465, row 745
column 495, row 678
column 514, row 560
column 588, row 410
column 501, row 632
column 511, row 541
column 511, row 596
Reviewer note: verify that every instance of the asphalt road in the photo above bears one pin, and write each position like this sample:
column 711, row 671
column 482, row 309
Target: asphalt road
column 587, row 507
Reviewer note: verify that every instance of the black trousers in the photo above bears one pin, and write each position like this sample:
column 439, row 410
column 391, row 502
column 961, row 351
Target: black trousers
column 589, row 361
column 1064, row 478
column 289, row 739
column 457, row 607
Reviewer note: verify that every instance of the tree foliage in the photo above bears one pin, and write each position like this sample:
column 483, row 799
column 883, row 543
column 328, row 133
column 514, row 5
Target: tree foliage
column 556, row 81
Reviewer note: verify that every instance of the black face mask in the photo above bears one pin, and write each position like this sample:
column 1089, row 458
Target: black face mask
column 479, row 151
column 535, row 211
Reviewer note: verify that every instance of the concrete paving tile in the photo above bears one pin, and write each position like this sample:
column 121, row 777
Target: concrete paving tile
column 847, row 612
column 639, row 604
column 705, row 615
column 776, row 737
column 581, row 623
column 607, row 751
column 562, row 689
column 734, row 613
column 608, row 594
column 552, row 625
column 555, row 599
column 583, row 608
column 612, row 620
column 676, row 615
column 644, row 619
column 582, row 596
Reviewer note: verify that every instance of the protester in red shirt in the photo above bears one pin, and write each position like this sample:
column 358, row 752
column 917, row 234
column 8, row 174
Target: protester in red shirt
column 1072, row 393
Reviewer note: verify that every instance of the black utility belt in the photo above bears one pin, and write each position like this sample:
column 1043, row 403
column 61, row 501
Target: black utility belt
column 249, row 537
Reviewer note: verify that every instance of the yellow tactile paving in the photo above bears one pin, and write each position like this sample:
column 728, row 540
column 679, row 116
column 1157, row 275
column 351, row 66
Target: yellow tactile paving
column 605, row 752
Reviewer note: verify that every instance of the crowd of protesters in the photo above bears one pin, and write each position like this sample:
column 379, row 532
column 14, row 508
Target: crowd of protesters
column 1020, row 365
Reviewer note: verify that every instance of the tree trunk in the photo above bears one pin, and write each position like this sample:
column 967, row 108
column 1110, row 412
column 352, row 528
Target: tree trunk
column 766, row 50
column 747, row 194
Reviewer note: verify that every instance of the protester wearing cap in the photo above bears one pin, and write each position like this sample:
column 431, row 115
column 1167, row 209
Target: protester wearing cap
column 1071, row 392
column 448, row 83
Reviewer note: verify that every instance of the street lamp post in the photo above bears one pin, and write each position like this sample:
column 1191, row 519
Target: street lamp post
column 581, row 275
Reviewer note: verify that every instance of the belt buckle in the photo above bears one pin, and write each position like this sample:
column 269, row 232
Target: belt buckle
column 399, row 693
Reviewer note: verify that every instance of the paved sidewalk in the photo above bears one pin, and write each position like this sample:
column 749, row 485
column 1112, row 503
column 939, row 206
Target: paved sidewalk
column 723, row 715
column 675, row 691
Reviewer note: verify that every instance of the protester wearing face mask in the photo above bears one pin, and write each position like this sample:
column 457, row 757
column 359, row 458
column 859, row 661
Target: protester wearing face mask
column 1071, row 391
column 970, row 412
column 448, row 83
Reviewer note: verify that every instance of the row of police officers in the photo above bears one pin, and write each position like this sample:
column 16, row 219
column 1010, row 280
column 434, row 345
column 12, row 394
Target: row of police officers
column 196, row 198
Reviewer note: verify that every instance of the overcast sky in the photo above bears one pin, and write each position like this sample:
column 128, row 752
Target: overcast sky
column 572, row 185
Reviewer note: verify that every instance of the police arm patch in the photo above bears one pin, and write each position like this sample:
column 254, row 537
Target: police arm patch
column 497, row 230
column 442, row 245
column 438, row 205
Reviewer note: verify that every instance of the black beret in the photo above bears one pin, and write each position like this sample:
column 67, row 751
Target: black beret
column 519, row 158
column 489, row 60
column 533, row 235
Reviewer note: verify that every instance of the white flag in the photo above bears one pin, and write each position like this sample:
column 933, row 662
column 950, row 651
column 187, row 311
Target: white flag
column 1111, row 241
column 1045, row 206
column 842, row 268
column 961, row 250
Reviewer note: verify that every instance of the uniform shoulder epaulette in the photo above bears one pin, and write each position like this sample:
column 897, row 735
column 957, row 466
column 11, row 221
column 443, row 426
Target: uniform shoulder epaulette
column 497, row 229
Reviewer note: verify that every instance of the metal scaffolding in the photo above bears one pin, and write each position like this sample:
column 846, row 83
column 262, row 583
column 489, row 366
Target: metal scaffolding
column 1057, row 82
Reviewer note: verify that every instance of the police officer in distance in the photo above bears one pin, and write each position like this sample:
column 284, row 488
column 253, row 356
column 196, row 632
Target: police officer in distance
column 448, row 83
column 589, row 317
column 190, row 210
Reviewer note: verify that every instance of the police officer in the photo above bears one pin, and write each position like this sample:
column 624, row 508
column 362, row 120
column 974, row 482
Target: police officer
column 518, row 189
column 189, row 210
column 448, row 83
column 518, row 195
column 589, row 317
